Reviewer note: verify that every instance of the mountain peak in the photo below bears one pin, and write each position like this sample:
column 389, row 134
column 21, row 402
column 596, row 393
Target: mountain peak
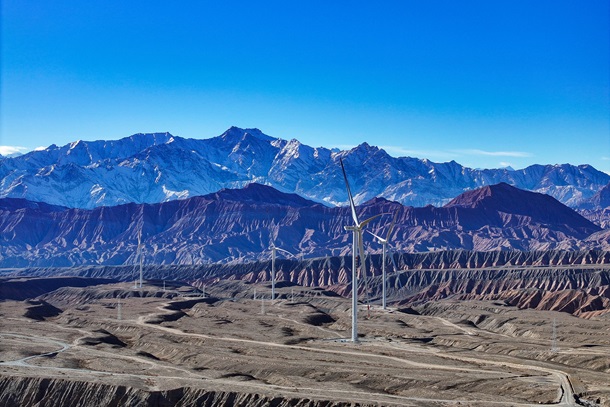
column 379, row 201
column 496, row 192
column 365, row 147
column 239, row 133
column 258, row 193
column 505, row 199
column 151, row 138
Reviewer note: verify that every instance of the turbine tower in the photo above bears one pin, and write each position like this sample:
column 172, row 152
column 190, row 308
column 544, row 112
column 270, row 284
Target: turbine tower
column 384, row 243
column 137, row 258
column 357, row 247
column 140, row 251
column 273, row 251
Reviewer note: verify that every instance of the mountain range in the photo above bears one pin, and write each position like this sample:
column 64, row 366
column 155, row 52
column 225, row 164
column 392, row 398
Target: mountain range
column 239, row 225
column 158, row 167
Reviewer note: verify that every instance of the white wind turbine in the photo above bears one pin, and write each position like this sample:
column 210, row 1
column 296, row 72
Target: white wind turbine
column 357, row 247
column 274, row 249
column 140, row 256
column 135, row 278
column 384, row 243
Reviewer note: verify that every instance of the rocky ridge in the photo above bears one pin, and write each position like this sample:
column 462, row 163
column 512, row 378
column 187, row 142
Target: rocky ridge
column 574, row 282
column 239, row 225
column 47, row 392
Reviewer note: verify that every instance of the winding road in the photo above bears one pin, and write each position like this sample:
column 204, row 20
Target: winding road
column 362, row 351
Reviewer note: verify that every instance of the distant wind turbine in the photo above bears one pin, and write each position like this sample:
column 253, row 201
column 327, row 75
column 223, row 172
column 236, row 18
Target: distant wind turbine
column 357, row 247
column 140, row 256
column 274, row 249
column 384, row 243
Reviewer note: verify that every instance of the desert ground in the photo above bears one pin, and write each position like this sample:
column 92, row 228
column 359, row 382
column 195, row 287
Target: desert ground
column 234, row 339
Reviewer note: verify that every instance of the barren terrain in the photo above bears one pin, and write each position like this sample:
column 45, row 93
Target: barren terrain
column 177, row 346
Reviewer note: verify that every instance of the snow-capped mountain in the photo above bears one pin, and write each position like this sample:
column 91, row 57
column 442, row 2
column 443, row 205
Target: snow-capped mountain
column 159, row 167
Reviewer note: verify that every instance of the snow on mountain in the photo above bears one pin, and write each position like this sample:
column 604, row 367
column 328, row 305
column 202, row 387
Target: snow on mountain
column 159, row 167
column 597, row 208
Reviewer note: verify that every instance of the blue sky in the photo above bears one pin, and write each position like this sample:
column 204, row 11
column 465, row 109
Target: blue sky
column 485, row 83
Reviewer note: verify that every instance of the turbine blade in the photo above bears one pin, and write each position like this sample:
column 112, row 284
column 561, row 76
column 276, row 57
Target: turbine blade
column 364, row 223
column 381, row 240
column 349, row 194
column 285, row 251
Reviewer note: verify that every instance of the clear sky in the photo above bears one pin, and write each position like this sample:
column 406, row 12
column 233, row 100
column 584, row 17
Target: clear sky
column 486, row 83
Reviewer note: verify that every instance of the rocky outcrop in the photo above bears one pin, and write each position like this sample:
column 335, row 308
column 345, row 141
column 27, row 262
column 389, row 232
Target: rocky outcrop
column 597, row 208
column 600, row 200
column 600, row 239
column 327, row 271
column 600, row 217
column 43, row 392
column 576, row 282
column 581, row 292
column 580, row 302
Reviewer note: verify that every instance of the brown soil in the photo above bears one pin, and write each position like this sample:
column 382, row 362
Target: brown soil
column 295, row 348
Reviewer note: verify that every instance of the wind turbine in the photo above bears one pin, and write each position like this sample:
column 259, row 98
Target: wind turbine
column 135, row 279
column 140, row 256
column 357, row 247
column 274, row 249
column 384, row 243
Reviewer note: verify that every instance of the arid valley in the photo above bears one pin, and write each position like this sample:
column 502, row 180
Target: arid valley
column 171, row 344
